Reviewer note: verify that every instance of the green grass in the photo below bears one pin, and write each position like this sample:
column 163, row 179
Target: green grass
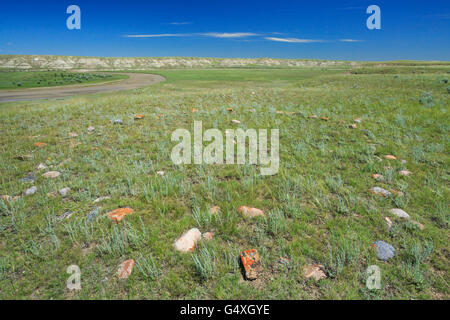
column 35, row 79
column 318, row 206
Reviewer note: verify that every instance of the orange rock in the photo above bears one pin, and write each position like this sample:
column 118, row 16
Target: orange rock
column 40, row 144
column 139, row 116
column 324, row 118
column 194, row 110
column 250, row 212
column 390, row 157
column 214, row 210
column 125, row 269
column 421, row 226
column 118, row 214
column 188, row 241
column 230, row 109
column 314, row 271
column 252, row 263
column 377, row 176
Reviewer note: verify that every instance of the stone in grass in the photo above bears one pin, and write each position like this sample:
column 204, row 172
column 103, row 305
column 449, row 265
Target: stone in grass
column 380, row 191
column 188, row 241
column 118, row 121
column 353, row 126
column 357, row 120
column 214, row 210
column 65, row 215
column 102, row 199
column 250, row 212
column 314, row 271
column 30, row 191
column 418, row 224
column 160, row 173
column 28, row 178
column 399, row 213
column 51, row 174
column 120, row 213
column 404, row 173
column 125, row 269
column 208, row 236
column 42, row 166
column 377, row 176
column 236, row 121
column 64, row 191
column 390, row 157
column 384, row 250
column 93, row 214
column 90, row 128
column 252, row 264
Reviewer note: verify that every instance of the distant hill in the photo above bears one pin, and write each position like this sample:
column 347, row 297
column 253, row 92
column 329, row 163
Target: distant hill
column 97, row 63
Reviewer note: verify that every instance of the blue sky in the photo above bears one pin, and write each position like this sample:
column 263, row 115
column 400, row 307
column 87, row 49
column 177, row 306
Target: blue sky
column 414, row 29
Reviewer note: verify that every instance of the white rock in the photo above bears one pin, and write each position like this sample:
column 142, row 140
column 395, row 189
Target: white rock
column 399, row 213
column 235, row 121
column 101, row 199
column 160, row 173
column 404, row 173
column 42, row 166
column 64, row 191
column 52, row 174
column 30, row 191
column 188, row 240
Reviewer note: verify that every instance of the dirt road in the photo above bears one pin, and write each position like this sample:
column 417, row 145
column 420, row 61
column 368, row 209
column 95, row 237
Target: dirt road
column 136, row 80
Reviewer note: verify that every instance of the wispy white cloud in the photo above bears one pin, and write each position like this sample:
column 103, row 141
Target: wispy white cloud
column 228, row 34
column 350, row 40
column 292, row 40
column 156, row 35
column 205, row 34
column 180, row 23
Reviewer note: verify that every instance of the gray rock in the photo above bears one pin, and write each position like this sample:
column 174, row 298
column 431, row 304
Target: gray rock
column 118, row 121
column 384, row 250
column 30, row 191
column 399, row 213
column 28, row 178
column 64, row 191
column 93, row 214
column 65, row 215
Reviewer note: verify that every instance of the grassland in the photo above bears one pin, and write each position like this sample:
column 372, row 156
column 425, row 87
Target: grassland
column 36, row 79
column 319, row 208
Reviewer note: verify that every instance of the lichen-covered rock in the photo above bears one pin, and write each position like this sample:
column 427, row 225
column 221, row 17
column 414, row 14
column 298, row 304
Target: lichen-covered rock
column 380, row 191
column 252, row 264
column 399, row 213
column 51, row 174
column 120, row 213
column 30, row 191
column 125, row 269
column 64, row 191
column 384, row 250
column 314, row 271
column 404, row 173
column 188, row 241
column 251, row 212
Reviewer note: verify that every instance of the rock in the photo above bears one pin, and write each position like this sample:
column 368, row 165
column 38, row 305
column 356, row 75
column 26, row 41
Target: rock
column 51, row 194
column 235, row 121
column 101, row 199
column 194, row 110
column 30, row 191
column 399, row 213
column 279, row 112
column 252, row 264
column 390, row 157
column 73, row 134
column 214, row 210
column 324, row 118
column 418, row 224
column 65, row 215
column 160, row 173
column 353, row 126
column 312, row 116
column 250, row 212
column 51, row 174
column 403, row 161
column 230, row 109
column 357, row 120
column 139, row 117
column 404, row 173
column 207, row 235
column 377, row 176
column 388, row 222
column 384, row 250
column 64, row 191
column 5, row 197
column 118, row 214
column 125, row 269
column 380, row 191
column 93, row 214
column 90, row 128
column 188, row 240
column 314, row 271
column 118, row 121
column 40, row 144
column 28, row 178
column 42, row 166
